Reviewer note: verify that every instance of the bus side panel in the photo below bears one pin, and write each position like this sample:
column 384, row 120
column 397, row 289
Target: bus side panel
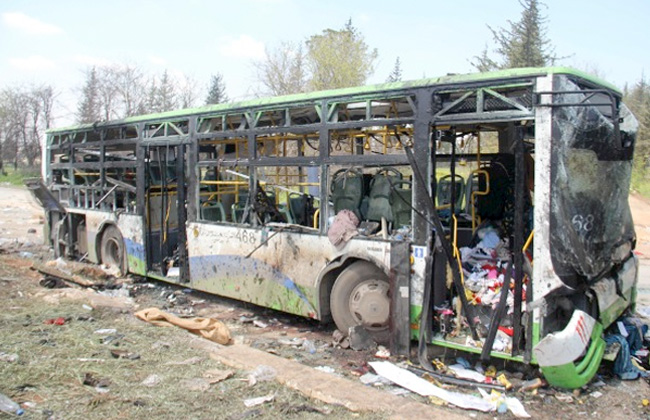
column 271, row 269
column 132, row 228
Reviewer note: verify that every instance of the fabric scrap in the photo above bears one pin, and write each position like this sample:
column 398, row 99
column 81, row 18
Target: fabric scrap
column 210, row 328
column 343, row 228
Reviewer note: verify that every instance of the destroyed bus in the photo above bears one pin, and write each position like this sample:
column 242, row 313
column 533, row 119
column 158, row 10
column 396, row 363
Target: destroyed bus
column 485, row 212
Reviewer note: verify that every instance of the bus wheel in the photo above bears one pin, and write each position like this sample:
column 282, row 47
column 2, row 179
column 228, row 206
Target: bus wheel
column 112, row 249
column 360, row 296
column 61, row 239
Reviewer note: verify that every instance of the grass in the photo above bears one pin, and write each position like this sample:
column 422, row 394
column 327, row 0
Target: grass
column 53, row 361
column 16, row 176
column 640, row 182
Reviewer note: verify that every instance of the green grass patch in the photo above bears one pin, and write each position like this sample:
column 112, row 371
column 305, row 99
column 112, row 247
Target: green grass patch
column 16, row 176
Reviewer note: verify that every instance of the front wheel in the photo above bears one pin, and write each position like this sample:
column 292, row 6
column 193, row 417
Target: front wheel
column 112, row 249
column 360, row 296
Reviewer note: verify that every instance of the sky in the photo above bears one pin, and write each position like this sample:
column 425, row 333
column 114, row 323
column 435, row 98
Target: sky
column 55, row 41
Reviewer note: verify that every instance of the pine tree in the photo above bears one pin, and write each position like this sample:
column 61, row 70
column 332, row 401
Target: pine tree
column 217, row 91
column 396, row 74
column 89, row 109
column 339, row 59
column 522, row 44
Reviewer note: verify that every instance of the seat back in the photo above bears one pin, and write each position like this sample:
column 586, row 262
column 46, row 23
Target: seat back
column 401, row 201
column 213, row 212
column 444, row 188
column 347, row 190
column 379, row 205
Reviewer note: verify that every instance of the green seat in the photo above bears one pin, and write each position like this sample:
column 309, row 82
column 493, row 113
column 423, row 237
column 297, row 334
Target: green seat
column 347, row 190
column 238, row 208
column 214, row 212
column 401, row 200
column 444, row 188
column 379, row 205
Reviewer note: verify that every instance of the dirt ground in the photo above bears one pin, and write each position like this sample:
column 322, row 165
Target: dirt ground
column 72, row 371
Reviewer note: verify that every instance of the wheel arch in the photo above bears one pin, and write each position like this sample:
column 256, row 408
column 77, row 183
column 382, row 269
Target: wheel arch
column 328, row 276
column 101, row 230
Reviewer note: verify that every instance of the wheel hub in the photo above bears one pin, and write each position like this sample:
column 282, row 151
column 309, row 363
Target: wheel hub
column 370, row 304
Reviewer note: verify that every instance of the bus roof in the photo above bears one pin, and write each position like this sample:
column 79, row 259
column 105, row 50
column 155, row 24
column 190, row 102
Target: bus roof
column 351, row 91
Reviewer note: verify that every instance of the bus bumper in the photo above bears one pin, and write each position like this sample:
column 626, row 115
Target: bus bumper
column 557, row 353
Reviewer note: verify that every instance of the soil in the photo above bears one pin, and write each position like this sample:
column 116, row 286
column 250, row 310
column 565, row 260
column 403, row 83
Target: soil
column 21, row 239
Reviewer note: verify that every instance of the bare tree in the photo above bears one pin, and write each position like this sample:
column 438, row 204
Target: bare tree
column 283, row 71
column 188, row 92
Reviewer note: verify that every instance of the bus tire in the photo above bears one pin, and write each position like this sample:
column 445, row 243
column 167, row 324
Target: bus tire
column 360, row 296
column 60, row 242
column 112, row 250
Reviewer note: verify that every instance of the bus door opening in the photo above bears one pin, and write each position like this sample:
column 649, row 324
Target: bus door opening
column 166, row 211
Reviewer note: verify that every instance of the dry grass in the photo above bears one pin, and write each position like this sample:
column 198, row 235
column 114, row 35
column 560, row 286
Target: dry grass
column 55, row 359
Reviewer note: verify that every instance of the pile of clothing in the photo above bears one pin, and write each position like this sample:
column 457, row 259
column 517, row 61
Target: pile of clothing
column 484, row 268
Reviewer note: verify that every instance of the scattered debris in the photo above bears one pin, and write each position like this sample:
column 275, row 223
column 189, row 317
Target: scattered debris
column 565, row 398
column 54, row 269
column 124, row 354
column 8, row 357
column 412, row 382
column 252, row 402
column 217, row 375
column 360, row 338
column 90, row 380
column 372, row 379
column 308, row 346
column 152, row 380
column 209, row 328
column 382, row 353
column 340, row 340
column 260, row 374
column 105, row 331
column 260, row 324
column 50, row 282
column 532, row 384
column 326, row 369
column 596, row 394
column 55, row 321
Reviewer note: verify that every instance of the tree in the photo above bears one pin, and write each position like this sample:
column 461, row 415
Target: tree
column 217, row 90
column 522, row 44
column 338, row 59
column 283, row 71
column 396, row 74
column 162, row 96
column 89, row 108
column 188, row 92
column 25, row 114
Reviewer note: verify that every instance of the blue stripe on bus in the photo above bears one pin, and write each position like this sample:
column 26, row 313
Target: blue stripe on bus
column 232, row 266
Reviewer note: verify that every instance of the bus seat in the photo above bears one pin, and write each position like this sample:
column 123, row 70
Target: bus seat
column 347, row 190
column 443, row 191
column 474, row 181
column 238, row 208
column 285, row 211
column 379, row 205
column 401, row 200
column 298, row 204
column 214, row 212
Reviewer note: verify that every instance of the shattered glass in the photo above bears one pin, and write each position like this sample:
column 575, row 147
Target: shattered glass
column 591, row 224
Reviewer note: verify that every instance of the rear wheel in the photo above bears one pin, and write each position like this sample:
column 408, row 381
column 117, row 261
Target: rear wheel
column 360, row 296
column 60, row 239
column 112, row 249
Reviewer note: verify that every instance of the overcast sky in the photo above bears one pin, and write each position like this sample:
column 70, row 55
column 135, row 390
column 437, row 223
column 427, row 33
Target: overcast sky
column 53, row 41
